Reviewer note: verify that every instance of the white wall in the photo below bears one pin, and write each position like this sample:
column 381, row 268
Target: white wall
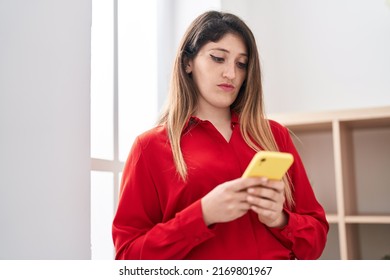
column 44, row 128
column 187, row 11
column 320, row 54
column 174, row 18
column 166, row 47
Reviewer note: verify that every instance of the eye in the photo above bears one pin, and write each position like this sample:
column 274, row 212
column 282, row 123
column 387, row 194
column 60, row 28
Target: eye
column 242, row 65
column 217, row 58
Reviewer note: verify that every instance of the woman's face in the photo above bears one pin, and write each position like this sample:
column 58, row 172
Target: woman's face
column 218, row 70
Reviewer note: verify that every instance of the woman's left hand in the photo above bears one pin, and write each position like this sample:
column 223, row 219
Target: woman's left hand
column 267, row 201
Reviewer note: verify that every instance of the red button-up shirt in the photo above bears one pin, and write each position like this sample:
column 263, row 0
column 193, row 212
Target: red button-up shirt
column 159, row 216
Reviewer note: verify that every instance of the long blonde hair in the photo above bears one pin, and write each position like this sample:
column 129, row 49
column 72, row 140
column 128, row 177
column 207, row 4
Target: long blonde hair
column 182, row 102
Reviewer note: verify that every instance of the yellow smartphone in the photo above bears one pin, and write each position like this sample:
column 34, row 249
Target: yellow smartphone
column 272, row 165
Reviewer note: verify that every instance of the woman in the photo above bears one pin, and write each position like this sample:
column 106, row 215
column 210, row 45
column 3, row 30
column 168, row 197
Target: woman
column 182, row 195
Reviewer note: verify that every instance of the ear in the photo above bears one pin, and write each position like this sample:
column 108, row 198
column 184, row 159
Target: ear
column 188, row 66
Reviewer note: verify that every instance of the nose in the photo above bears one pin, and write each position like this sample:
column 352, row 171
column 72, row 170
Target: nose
column 230, row 71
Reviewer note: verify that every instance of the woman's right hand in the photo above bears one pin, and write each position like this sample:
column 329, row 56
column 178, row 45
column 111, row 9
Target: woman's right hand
column 227, row 201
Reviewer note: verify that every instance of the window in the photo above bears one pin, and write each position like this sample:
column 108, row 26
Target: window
column 123, row 101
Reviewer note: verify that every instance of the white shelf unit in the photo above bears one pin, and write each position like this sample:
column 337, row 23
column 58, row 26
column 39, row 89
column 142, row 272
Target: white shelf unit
column 347, row 156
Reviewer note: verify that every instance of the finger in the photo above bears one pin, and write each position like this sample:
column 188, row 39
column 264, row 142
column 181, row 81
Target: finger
column 236, row 197
column 265, row 192
column 244, row 183
column 262, row 203
column 241, row 196
column 264, row 212
column 244, row 206
column 265, row 203
column 274, row 184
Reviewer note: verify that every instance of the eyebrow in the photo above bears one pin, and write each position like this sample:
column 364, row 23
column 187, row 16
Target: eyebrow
column 225, row 50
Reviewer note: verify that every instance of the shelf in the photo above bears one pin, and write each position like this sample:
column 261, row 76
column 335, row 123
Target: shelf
column 317, row 162
column 320, row 119
column 367, row 219
column 346, row 154
column 371, row 241
column 371, row 152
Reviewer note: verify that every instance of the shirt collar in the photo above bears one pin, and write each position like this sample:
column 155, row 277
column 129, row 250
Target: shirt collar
column 193, row 120
column 235, row 118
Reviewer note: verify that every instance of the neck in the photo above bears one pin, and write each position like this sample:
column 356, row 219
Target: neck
column 221, row 119
column 216, row 117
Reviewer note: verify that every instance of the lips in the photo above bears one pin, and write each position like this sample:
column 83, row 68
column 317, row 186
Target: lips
column 226, row 87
